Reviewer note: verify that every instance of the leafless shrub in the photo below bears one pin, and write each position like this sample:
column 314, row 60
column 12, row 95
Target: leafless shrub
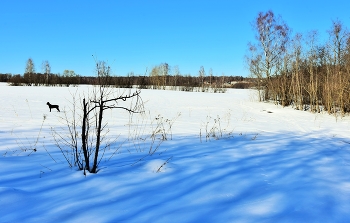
column 212, row 128
column 85, row 141
column 162, row 130
column 29, row 146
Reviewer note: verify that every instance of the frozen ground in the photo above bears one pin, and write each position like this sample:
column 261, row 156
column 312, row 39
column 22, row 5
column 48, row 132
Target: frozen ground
column 270, row 164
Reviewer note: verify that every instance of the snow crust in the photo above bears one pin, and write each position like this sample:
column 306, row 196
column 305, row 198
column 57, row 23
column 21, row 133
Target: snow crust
column 261, row 162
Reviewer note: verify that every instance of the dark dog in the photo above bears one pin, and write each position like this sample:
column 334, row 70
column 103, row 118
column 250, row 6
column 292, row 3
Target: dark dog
column 53, row 106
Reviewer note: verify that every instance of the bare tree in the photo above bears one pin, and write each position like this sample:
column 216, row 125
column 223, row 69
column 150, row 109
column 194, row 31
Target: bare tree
column 46, row 69
column 155, row 77
column 165, row 72
column 29, row 71
column 71, row 78
column 176, row 75
column 254, row 64
column 87, row 129
column 210, row 76
column 273, row 35
column 297, row 77
column 103, row 99
column 201, row 74
column 30, row 68
column 312, row 82
column 338, row 38
column 338, row 42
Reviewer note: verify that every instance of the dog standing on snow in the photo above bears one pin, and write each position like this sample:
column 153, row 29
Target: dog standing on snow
column 53, row 106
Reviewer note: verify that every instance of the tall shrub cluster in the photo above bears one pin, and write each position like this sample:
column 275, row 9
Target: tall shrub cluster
column 298, row 70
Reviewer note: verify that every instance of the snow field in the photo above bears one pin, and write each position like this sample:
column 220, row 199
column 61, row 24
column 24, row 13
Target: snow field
column 265, row 163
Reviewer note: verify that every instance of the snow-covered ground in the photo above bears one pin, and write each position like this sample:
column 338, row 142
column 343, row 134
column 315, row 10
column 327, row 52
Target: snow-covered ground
column 265, row 163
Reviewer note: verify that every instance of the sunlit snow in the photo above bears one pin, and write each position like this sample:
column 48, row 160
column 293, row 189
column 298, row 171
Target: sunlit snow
column 261, row 162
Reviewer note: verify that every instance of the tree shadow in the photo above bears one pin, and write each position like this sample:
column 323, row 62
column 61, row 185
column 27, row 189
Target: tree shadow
column 269, row 178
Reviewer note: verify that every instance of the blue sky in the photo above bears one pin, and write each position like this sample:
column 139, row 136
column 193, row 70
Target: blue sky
column 135, row 35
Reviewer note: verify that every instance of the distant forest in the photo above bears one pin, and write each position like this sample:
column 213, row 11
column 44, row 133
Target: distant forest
column 159, row 78
column 39, row 79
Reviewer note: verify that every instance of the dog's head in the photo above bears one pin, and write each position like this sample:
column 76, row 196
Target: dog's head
column 48, row 103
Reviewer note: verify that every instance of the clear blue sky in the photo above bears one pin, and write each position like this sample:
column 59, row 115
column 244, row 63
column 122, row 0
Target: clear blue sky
column 133, row 35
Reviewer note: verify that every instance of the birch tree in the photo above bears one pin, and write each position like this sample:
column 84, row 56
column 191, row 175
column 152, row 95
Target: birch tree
column 272, row 35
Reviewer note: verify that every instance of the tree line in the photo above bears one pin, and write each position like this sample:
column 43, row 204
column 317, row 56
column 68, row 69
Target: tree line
column 160, row 77
column 298, row 70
